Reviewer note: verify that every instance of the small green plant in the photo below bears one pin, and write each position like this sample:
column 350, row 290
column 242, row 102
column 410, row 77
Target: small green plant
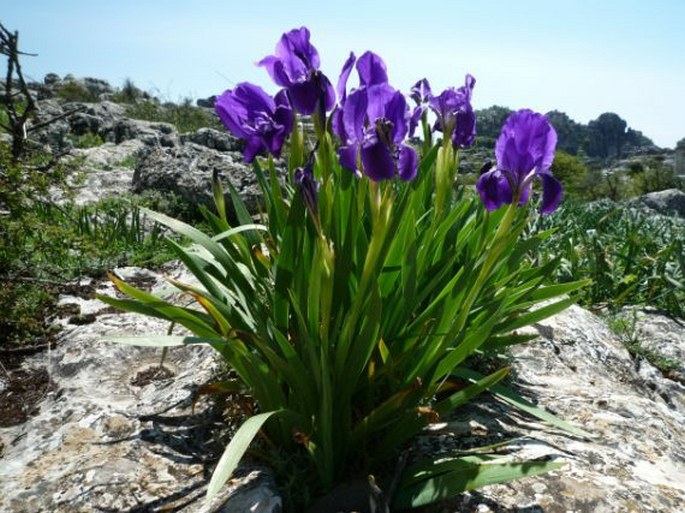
column 624, row 326
column 73, row 91
column 128, row 93
column 87, row 140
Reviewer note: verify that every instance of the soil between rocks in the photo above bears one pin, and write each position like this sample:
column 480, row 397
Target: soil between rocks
column 21, row 391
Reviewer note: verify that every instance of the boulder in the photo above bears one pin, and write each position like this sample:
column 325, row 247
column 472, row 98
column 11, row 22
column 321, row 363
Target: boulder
column 666, row 202
column 187, row 170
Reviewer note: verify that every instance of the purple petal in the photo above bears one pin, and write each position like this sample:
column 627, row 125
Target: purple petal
column 377, row 161
column 348, row 157
column 344, row 75
column 494, row 189
column 231, row 112
column 371, row 69
column 415, row 118
column 397, row 112
column 552, row 193
column 464, row 133
column 253, row 147
column 421, row 91
column 276, row 70
column 407, row 163
column 284, row 112
column 353, row 115
column 378, row 97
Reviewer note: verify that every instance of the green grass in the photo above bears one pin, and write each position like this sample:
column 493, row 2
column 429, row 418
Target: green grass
column 43, row 246
column 633, row 258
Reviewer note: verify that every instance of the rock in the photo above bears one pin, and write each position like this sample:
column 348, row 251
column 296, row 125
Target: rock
column 187, row 171
column 666, row 202
column 579, row 369
column 150, row 133
column 664, row 336
column 105, row 171
column 97, row 118
column 207, row 103
column 106, row 442
column 214, row 139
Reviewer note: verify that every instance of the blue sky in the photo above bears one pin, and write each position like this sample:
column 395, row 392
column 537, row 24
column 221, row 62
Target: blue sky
column 581, row 57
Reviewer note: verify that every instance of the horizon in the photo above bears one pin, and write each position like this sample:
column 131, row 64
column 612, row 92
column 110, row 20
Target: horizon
column 579, row 57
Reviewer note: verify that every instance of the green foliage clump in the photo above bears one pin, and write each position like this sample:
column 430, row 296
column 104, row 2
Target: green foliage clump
column 184, row 116
column 87, row 140
column 128, row 93
column 572, row 173
column 633, row 258
column 72, row 91
column 43, row 245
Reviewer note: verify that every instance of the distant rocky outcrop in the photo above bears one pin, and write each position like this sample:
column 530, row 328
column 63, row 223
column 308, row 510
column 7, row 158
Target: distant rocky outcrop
column 107, row 439
column 136, row 155
column 668, row 202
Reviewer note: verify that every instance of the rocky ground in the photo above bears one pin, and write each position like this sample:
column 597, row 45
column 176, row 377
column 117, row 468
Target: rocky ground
column 96, row 427
column 109, row 435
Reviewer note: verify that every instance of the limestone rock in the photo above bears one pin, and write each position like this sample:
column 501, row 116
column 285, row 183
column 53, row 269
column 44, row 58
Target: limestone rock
column 187, row 171
column 579, row 370
column 108, row 440
column 666, row 202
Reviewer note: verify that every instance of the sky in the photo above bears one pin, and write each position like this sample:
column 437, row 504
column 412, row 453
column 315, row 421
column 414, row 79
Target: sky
column 582, row 57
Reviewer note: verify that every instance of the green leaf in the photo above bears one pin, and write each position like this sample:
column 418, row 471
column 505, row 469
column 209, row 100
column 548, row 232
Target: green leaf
column 235, row 451
column 511, row 397
column 452, row 477
column 164, row 340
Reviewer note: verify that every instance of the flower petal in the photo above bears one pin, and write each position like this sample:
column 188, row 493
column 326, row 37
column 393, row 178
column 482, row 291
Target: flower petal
column 371, row 69
column 397, row 112
column 353, row 115
column 344, row 75
column 407, row 163
column 552, row 193
column 348, row 157
column 377, row 160
column 494, row 189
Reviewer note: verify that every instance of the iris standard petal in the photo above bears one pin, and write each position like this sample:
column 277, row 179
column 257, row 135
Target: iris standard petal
column 407, row 163
column 371, row 69
column 552, row 193
column 397, row 112
column 421, row 91
column 378, row 97
column 353, row 115
column 377, row 161
column 464, row 133
column 276, row 70
column 344, row 75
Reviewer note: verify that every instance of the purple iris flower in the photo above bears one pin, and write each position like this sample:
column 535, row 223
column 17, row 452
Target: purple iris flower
column 524, row 151
column 456, row 117
column 375, row 122
column 421, row 93
column 296, row 68
column 251, row 114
